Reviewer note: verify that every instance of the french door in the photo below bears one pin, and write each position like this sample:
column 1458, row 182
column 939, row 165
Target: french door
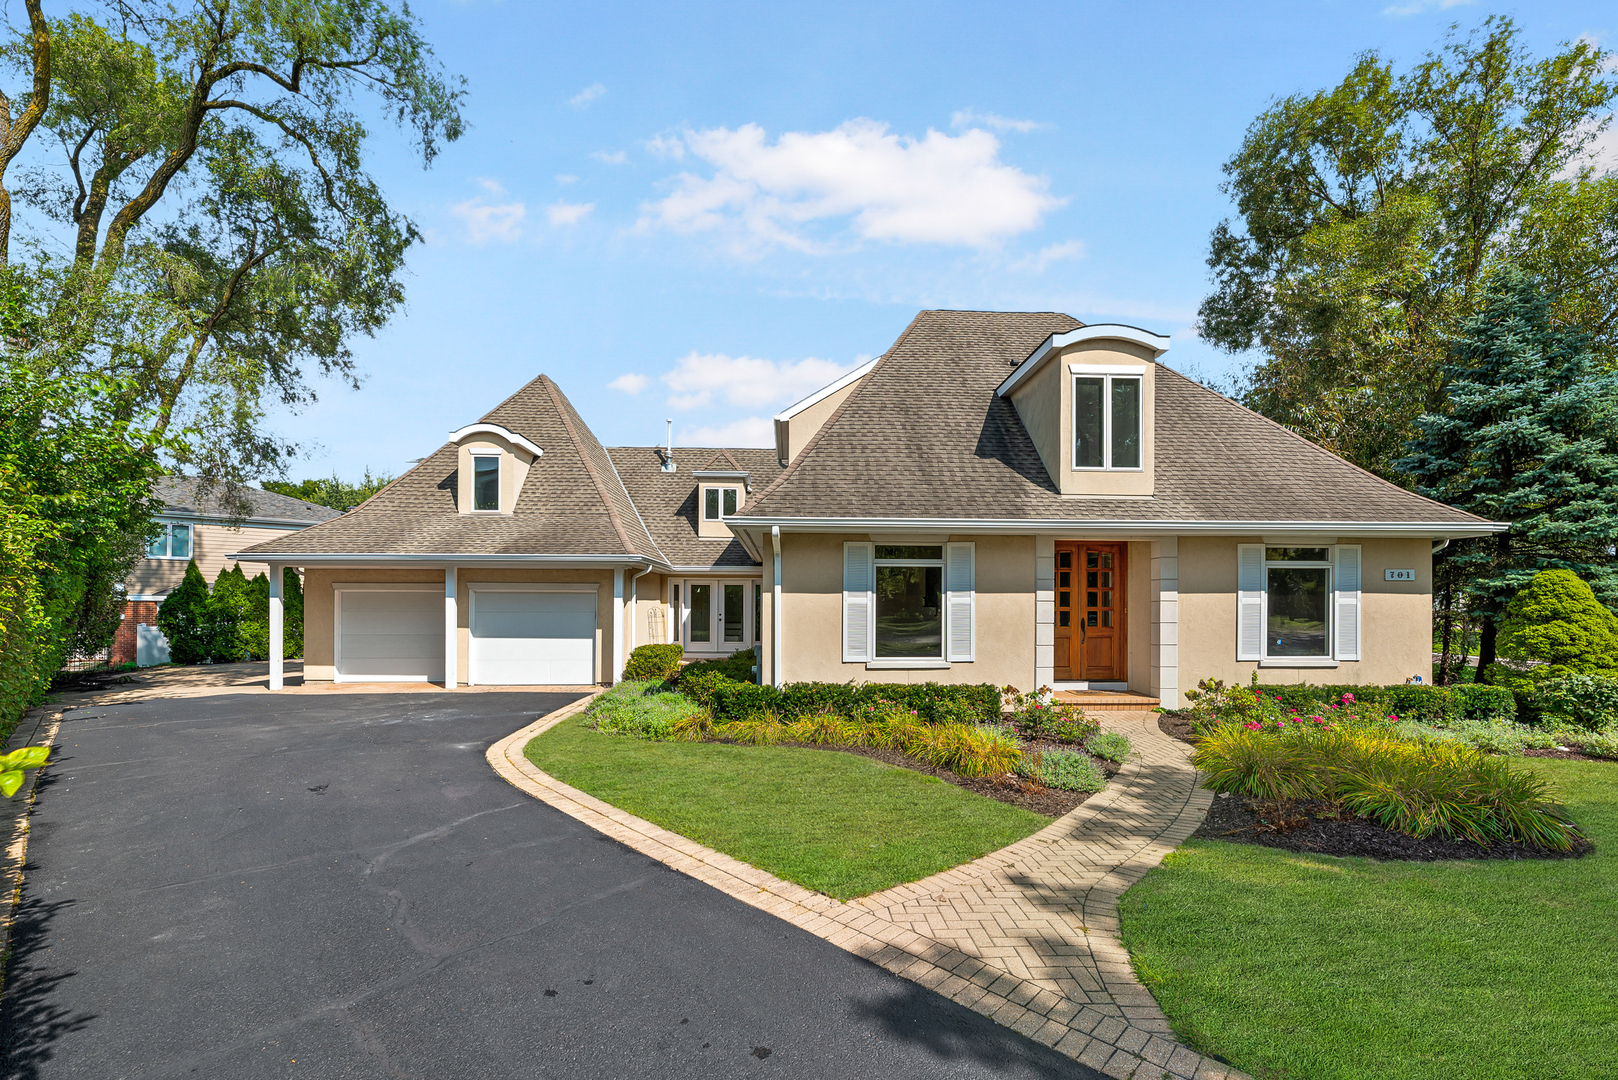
column 715, row 615
column 1090, row 612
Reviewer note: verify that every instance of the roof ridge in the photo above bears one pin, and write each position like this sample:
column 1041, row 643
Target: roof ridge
column 1311, row 444
column 563, row 410
column 859, row 387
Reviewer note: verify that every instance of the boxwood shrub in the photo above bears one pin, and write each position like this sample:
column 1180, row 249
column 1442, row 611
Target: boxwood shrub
column 1436, row 705
column 658, row 662
column 935, row 703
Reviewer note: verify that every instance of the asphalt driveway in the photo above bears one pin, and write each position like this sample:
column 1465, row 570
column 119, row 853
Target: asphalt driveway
column 339, row 886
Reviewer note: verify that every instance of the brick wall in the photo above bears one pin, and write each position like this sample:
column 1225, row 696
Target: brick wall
column 136, row 613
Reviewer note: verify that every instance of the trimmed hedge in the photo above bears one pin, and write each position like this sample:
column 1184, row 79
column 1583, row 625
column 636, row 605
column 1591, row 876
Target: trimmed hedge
column 1436, row 705
column 658, row 662
column 738, row 666
column 730, row 700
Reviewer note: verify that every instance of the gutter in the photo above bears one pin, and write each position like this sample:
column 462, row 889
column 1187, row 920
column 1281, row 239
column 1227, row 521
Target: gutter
column 383, row 559
column 1115, row 527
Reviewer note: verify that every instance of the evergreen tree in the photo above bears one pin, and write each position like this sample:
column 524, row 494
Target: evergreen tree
column 292, row 613
column 1527, row 437
column 185, row 619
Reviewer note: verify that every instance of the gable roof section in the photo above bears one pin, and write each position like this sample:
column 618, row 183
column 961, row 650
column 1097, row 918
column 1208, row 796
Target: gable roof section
column 668, row 501
column 925, row 437
column 571, row 504
column 184, row 495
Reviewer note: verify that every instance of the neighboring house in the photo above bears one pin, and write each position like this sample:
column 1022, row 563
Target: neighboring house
column 195, row 526
column 1011, row 498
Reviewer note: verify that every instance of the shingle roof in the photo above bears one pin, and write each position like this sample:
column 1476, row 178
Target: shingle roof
column 668, row 501
column 924, row 436
column 571, row 504
column 184, row 495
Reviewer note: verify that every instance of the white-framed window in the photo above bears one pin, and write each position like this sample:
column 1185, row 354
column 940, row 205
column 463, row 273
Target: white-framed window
column 1107, row 421
column 486, row 482
column 719, row 503
column 908, row 604
column 174, row 542
column 1298, row 604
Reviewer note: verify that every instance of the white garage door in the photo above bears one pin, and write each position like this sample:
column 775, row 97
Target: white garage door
column 390, row 636
column 533, row 638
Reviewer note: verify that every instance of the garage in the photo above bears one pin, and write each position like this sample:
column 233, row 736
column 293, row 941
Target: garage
column 390, row 633
column 532, row 635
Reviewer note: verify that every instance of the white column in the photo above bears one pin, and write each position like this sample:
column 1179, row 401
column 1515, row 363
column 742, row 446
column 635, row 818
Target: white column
column 277, row 633
column 775, row 611
column 452, row 629
column 617, row 626
column 1166, row 622
column 1044, row 611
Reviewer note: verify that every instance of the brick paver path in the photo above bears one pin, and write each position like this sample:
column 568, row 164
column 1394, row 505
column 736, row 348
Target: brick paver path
column 1027, row 935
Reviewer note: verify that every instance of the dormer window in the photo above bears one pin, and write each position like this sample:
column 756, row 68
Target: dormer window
column 719, row 503
column 486, row 482
column 1107, row 421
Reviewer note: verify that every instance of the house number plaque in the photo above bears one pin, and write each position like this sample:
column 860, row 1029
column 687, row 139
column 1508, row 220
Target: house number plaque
column 1398, row 575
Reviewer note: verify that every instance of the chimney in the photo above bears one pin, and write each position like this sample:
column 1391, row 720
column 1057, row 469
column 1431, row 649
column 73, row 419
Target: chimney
column 668, row 455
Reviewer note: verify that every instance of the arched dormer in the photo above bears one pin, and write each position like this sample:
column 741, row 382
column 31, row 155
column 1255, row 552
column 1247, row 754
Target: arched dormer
column 492, row 462
column 1087, row 398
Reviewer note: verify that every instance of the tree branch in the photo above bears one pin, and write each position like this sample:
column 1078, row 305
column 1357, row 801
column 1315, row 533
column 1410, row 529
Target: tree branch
column 18, row 131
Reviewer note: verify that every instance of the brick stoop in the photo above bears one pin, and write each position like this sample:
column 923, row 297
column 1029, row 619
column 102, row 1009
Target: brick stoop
column 1107, row 700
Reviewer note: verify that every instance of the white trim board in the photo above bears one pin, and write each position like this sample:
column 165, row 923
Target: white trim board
column 828, row 390
column 495, row 429
column 1157, row 343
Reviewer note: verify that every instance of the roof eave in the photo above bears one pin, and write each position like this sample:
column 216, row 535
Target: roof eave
column 397, row 560
column 1111, row 527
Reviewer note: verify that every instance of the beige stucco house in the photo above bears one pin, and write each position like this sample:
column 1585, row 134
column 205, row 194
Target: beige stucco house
column 194, row 525
column 1012, row 498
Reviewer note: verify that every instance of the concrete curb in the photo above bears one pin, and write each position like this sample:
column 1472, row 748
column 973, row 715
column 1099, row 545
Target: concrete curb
column 1094, row 1010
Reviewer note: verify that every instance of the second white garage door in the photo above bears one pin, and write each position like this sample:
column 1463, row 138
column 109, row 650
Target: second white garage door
column 532, row 638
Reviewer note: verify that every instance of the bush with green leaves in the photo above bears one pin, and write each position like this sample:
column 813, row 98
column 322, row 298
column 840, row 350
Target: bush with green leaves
column 1038, row 714
column 641, row 709
column 1602, row 744
column 189, row 620
column 730, row 699
column 660, row 662
column 738, row 666
column 1065, row 770
column 1557, row 621
column 1582, row 701
column 1110, row 746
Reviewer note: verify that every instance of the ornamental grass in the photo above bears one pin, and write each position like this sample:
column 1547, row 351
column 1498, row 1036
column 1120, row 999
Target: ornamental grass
column 1414, row 786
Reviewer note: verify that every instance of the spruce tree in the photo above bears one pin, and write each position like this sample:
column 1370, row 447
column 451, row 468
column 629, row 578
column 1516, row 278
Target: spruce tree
column 185, row 619
column 1527, row 437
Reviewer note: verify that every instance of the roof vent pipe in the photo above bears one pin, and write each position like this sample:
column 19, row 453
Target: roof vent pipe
column 668, row 455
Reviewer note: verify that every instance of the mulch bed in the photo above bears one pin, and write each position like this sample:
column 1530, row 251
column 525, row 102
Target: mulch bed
column 1011, row 790
column 1233, row 819
column 1566, row 755
column 1176, row 725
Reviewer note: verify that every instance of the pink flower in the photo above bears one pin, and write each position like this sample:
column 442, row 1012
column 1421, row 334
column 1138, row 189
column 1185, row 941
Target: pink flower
column 1348, row 699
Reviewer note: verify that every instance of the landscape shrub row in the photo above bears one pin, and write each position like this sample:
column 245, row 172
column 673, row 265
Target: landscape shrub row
column 1436, row 705
column 935, row 703
column 1414, row 786
column 232, row 622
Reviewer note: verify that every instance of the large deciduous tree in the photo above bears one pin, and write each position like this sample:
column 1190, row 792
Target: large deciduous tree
column 1528, row 435
column 1370, row 214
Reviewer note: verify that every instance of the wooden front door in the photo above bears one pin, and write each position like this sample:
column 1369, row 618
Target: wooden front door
column 1090, row 612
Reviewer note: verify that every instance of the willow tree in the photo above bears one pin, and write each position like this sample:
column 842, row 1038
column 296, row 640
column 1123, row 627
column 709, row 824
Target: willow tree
column 1371, row 213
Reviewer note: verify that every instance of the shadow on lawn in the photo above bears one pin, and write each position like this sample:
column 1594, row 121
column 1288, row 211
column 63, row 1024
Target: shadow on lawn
column 955, row 1033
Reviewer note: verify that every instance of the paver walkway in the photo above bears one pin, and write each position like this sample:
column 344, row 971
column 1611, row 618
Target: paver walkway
column 1027, row 935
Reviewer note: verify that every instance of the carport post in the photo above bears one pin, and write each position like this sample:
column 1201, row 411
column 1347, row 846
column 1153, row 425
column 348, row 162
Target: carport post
column 617, row 625
column 277, row 646
column 452, row 636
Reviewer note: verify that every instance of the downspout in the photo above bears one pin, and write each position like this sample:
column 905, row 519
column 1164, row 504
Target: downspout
column 775, row 610
column 1439, row 545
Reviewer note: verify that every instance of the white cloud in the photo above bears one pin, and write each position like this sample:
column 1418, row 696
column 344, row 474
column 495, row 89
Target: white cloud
column 564, row 213
column 1416, row 7
column 748, row 431
column 629, row 383
column 584, row 97
column 566, row 178
column 1037, row 262
column 938, row 189
column 745, row 381
column 485, row 223
column 966, row 118
column 617, row 157
column 492, row 186
column 666, row 146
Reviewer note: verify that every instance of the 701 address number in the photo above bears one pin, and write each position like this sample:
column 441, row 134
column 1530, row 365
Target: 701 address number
column 1398, row 575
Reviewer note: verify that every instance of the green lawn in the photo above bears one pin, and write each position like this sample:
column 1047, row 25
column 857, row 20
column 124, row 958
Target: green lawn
column 1310, row 967
column 838, row 823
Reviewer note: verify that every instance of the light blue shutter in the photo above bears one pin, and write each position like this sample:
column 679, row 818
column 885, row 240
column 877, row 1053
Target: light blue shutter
column 858, row 583
column 1347, row 595
column 1250, row 602
column 959, row 579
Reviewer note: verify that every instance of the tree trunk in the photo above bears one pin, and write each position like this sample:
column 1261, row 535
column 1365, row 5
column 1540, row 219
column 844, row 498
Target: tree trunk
column 1486, row 646
column 1447, row 622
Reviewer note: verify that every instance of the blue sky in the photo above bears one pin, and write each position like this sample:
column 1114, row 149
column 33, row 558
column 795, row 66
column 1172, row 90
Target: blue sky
column 704, row 211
